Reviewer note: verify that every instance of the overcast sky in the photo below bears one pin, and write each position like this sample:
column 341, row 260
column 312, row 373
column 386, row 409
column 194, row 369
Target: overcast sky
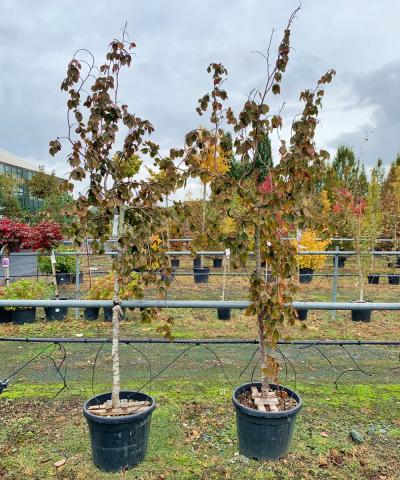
column 177, row 39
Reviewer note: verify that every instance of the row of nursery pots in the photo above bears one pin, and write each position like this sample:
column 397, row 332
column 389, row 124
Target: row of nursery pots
column 120, row 442
column 306, row 276
column 21, row 316
column 356, row 315
column 217, row 262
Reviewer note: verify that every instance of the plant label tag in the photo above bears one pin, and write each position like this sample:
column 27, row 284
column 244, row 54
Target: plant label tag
column 57, row 310
column 53, row 258
column 5, row 262
column 227, row 252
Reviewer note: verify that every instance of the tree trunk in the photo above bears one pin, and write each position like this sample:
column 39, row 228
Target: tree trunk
column 203, row 225
column 168, row 227
column 260, row 319
column 116, row 381
column 54, row 273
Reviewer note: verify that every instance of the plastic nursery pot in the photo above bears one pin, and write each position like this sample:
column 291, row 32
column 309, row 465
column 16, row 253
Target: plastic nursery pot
column 224, row 313
column 56, row 313
column 201, row 275
column 264, row 435
column 119, row 443
column 108, row 314
column 91, row 313
column 361, row 315
column 341, row 261
column 302, row 314
column 68, row 278
column 217, row 262
column 306, row 275
column 5, row 315
column 394, row 279
column 373, row 279
column 175, row 262
column 23, row 315
column 197, row 262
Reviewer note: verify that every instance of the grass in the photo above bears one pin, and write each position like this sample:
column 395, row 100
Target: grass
column 193, row 437
column 193, row 434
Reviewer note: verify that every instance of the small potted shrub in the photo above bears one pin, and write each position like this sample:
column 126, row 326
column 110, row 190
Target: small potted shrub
column 26, row 290
column 308, row 264
column 103, row 289
column 65, row 266
column 5, row 315
column 273, row 200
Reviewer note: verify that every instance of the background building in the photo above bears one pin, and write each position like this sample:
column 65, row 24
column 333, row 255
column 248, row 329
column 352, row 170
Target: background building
column 20, row 170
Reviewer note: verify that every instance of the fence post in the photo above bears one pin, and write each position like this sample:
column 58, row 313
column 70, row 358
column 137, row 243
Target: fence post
column 335, row 279
column 77, row 285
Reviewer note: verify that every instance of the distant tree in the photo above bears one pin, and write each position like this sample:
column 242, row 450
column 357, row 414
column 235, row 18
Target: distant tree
column 9, row 203
column 379, row 172
column 262, row 164
column 43, row 185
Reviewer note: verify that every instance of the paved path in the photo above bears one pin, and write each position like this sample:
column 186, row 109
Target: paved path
column 21, row 266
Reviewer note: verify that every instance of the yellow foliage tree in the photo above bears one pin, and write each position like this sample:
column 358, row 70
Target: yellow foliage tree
column 309, row 243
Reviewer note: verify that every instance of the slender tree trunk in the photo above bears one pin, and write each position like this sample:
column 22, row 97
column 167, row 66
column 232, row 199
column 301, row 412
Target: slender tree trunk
column 116, row 313
column 168, row 226
column 203, row 224
column 53, row 271
column 260, row 319
column 361, row 279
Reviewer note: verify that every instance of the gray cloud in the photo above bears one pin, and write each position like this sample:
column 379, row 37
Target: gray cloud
column 378, row 137
column 176, row 41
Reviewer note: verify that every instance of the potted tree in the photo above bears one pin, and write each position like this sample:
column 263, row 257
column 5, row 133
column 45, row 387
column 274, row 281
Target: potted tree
column 274, row 200
column 118, row 421
column 26, row 289
column 391, row 203
column 353, row 209
column 308, row 264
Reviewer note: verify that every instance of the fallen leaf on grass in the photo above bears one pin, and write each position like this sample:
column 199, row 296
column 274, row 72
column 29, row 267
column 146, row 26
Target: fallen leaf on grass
column 323, row 434
column 60, row 463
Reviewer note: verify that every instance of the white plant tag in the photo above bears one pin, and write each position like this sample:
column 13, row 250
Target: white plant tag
column 53, row 258
column 227, row 252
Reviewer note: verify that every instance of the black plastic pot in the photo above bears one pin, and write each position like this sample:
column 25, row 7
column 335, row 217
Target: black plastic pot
column 217, row 262
column 361, row 315
column 201, row 275
column 224, row 313
column 23, row 315
column 302, row 314
column 68, row 278
column 306, row 275
column 197, row 262
column 56, row 313
column 5, row 315
column 91, row 313
column 175, row 262
column 373, row 279
column 108, row 314
column 119, row 443
column 341, row 261
column 264, row 435
column 394, row 279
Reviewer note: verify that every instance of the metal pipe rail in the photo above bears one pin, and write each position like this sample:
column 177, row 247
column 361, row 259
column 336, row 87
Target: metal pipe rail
column 195, row 342
column 233, row 304
column 210, row 253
